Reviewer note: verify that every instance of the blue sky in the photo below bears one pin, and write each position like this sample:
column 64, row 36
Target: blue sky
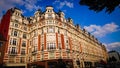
column 105, row 27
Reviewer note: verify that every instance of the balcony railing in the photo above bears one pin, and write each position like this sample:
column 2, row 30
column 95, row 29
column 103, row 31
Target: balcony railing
column 12, row 53
column 23, row 53
column 34, row 52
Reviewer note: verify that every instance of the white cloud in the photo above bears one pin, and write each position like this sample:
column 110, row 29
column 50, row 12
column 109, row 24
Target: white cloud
column 113, row 46
column 5, row 5
column 69, row 4
column 62, row 4
column 30, row 5
column 101, row 31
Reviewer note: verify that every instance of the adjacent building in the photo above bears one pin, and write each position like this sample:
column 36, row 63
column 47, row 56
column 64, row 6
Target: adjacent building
column 2, row 48
column 46, row 39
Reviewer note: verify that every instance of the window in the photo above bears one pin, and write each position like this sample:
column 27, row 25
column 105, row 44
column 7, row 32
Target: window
column 42, row 31
column 50, row 10
column 16, row 25
column 35, row 41
column 16, row 20
column 30, row 43
column 24, row 43
column 15, row 33
column 59, row 45
column 51, row 29
column 35, row 33
column 42, row 47
column 34, row 58
column 58, row 30
column 0, row 54
column 22, row 60
column 1, row 43
column 49, row 15
column 50, row 22
column 14, row 42
column 51, row 46
column 24, row 36
column 66, row 32
column 11, row 59
column 51, row 55
column 10, row 41
column 66, row 41
column 29, row 59
column 25, row 28
column 23, row 52
column 12, row 33
column 12, row 50
column 35, row 48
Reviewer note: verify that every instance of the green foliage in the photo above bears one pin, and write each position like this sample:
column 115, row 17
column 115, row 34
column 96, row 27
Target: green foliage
column 112, row 59
column 99, row 5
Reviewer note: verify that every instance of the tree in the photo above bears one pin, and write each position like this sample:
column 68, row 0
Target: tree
column 99, row 5
column 114, row 59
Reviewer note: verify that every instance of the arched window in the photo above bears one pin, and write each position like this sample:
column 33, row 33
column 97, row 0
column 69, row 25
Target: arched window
column 15, row 33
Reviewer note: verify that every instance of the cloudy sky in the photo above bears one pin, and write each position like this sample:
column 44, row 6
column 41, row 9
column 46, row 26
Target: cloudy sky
column 105, row 27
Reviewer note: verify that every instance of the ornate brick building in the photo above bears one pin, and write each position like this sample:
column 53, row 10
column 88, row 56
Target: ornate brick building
column 46, row 39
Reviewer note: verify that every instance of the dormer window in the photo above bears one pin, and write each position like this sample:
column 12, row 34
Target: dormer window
column 49, row 15
column 49, row 10
column 16, row 25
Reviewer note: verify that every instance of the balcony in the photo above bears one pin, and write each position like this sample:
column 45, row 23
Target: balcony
column 12, row 53
column 23, row 53
column 34, row 52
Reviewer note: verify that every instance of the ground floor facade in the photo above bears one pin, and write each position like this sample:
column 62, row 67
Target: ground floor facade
column 54, row 63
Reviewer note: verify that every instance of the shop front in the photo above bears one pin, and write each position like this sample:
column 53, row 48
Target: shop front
column 56, row 63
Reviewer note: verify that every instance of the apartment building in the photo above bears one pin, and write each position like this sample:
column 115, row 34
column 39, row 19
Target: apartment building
column 46, row 39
